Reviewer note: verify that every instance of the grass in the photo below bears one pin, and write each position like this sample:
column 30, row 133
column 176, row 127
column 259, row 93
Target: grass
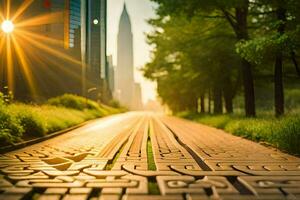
column 282, row 133
column 153, row 186
column 112, row 162
column 151, row 163
column 20, row 121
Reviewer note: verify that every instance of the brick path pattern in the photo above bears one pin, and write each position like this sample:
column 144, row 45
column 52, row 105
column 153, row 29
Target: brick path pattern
column 144, row 156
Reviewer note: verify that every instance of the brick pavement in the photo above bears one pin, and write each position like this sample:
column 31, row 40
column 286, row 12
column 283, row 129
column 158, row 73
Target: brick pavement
column 113, row 158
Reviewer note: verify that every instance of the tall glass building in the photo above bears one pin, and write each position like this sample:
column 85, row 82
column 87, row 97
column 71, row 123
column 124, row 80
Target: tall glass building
column 81, row 26
column 96, row 45
column 75, row 22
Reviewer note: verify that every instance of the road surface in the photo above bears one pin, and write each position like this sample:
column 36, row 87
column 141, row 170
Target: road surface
column 140, row 156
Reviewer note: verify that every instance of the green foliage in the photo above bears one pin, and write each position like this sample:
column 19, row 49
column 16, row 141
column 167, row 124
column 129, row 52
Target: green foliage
column 253, row 129
column 6, row 98
column 283, row 133
column 256, row 50
column 30, row 118
column 114, row 103
column 286, row 134
column 199, row 46
column 185, row 65
column 218, row 121
column 24, row 121
column 292, row 99
column 73, row 101
column 10, row 128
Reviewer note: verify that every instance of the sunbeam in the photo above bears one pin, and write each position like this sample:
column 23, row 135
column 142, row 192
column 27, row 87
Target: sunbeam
column 20, row 45
column 2, row 40
column 21, row 9
column 7, row 9
column 41, row 37
column 24, row 66
column 2, row 18
column 9, row 64
column 50, row 50
column 51, row 18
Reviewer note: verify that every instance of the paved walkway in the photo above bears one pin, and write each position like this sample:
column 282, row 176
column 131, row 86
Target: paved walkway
column 146, row 156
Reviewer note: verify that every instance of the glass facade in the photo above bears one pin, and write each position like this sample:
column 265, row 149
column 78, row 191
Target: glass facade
column 74, row 27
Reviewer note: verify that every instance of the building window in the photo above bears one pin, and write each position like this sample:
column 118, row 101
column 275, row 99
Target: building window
column 74, row 27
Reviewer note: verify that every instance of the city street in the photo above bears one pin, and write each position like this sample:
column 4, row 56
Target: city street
column 142, row 155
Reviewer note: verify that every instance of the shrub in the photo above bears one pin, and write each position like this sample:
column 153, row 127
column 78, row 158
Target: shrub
column 30, row 119
column 283, row 133
column 73, row 101
column 286, row 134
column 114, row 103
column 19, row 121
column 218, row 121
column 59, row 118
column 292, row 99
column 10, row 128
column 254, row 129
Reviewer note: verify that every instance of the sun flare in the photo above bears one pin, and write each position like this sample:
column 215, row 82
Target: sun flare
column 7, row 26
column 16, row 36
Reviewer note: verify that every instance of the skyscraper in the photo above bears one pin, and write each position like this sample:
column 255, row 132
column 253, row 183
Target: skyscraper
column 80, row 28
column 124, row 87
column 96, row 46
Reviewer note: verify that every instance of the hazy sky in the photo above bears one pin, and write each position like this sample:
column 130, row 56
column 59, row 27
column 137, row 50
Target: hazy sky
column 139, row 11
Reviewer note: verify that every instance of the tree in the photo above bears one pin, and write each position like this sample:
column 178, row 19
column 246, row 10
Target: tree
column 193, row 65
column 275, row 36
column 235, row 13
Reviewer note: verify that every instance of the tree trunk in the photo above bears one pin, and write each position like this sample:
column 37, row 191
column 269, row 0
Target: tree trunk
column 228, row 102
column 279, row 95
column 278, row 81
column 249, row 96
column 209, row 101
column 248, row 82
column 294, row 60
column 217, row 95
column 240, row 27
column 202, row 103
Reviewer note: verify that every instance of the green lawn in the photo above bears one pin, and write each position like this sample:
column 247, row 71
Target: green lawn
column 282, row 133
column 20, row 121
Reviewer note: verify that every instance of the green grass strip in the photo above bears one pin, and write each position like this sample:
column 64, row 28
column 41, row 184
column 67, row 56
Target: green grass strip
column 112, row 162
column 151, row 163
column 153, row 186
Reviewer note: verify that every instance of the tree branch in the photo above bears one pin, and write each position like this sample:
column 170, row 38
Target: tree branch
column 230, row 18
column 294, row 60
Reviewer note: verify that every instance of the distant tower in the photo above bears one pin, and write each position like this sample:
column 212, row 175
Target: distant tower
column 124, row 87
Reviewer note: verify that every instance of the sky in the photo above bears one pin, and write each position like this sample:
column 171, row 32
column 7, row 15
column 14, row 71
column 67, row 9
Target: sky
column 139, row 11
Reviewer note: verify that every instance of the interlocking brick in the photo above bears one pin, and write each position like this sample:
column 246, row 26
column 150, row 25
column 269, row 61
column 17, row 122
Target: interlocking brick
column 110, row 161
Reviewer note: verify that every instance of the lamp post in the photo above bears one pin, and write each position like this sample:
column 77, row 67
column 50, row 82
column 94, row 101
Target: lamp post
column 86, row 97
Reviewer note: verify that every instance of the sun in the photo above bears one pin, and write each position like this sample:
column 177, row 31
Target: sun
column 7, row 26
column 16, row 37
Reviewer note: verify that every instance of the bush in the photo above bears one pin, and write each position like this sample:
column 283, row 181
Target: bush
column 283, row 133
column 253, row 129
column 30, row 119
column 114, row 103
column 73, row 101
column 286, row 134
column 10, row 129
column 292, row 99
column 218, row 121
column 25, row 121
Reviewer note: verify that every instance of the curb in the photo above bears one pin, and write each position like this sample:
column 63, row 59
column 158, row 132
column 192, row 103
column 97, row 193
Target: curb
column 20, row 145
